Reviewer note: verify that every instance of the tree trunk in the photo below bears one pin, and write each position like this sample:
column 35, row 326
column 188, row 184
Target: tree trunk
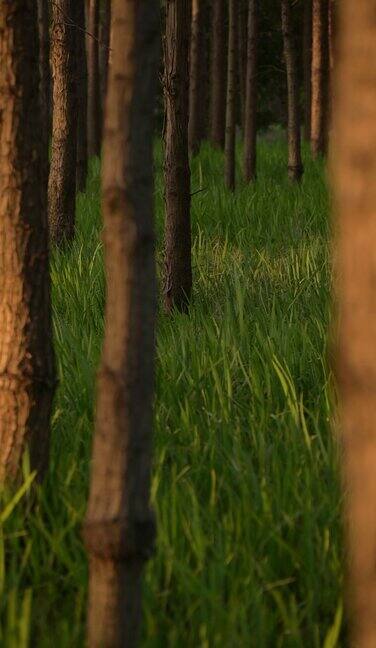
column 81, row 76
column 320, row 70
column 307, row 63
column 27, row 377
column 250, row 119
column 354, row 171
column 94, row 117
column 295, row 166
column 62, row 179
column 119, row 529
column 231, row 97
column 105, row 48
column 218, row 74
column 178, row 270
column 197, row 76
column 242, row 61
column 45, row 83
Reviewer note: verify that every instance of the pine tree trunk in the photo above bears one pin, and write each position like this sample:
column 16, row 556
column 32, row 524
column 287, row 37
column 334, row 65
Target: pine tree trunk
column 320, row 71
column 197, row 76
column 119, row 529
column 27, row 376
column 105, row 48
column 250, row 119
column 307, row 63
column 82, row 80
column 242, row 61
column 295, row 166
column 354, row 172
column 178, row 270
column 218, row 74
column 94, row 116
column 62, row 179
column 231, row 96
column 44, row 82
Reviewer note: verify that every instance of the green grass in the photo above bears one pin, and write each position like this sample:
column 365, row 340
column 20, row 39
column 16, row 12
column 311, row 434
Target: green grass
column 245, row 481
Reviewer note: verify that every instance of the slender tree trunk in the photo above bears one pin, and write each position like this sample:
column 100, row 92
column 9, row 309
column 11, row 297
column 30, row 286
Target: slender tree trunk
column 307, row 63
column 331, row 56
column 178, row 270
column 231, row 97
column 45, row 82
column 197, row 76
column 94, row 95
column 119, row 529
column 250, row 120
column 354, row 171
column 320, row 70
column 218, row 74
column 242, row 61
column 105, row 48
column 62, row 179
column 81, row 77
column 27, row 377
column 295, row 166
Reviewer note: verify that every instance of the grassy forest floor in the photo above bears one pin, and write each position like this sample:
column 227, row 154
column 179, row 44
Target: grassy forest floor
column 245, row 481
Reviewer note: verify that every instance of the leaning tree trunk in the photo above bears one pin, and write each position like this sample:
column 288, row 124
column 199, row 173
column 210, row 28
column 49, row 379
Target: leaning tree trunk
column 307, row 63
column 94, row 117
column 250, row 118
column 81, row 77
column 355, row 197
column 295, row 166
column 104, row 48
column 231, row 97
column 27, row 376
column 62, row 179
column 197, row 76
column 178, row 269
column 45, row 82
column 320, row 71
column 218, row 74
column 119, row 528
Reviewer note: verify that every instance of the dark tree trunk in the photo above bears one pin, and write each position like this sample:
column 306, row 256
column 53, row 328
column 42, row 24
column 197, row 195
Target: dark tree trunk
column 320, row 73
column 242, row 61
column 119, row 529
column 250, row 119
column 295, row 166
column 178, row 270
column 104, row 48
column 27, row 376
column 354, row 172
column 94, row 117
column 231, row 96
column 45, row 82
column 307, row 63
column 62, row 179
column 197, row 76
column 81, row 76
column 218, row 74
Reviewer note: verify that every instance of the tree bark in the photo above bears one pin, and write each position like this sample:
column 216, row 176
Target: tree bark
column 178, row 269
column 218, row 74
column 295, row 166
column 44, row 83
column 231, row 97
column 27, row 377
column 82, row 98
column 119, row 528
column 354, row 171
column 307, row 63
column 62, row 179
column 94, row 135
column 250, row 118
column 197, row 76
column 105, row 48
column 320, row 71
column 242, row 61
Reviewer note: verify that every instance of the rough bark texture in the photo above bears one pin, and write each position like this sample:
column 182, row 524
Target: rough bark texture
column 119, row 528
column 178, row 270
column 250, row 118
column 81, row 77
column 295, row 166
column 307, row 63
column 104, row 48
column 26, row 356
column 94, row 118
column 44, row 82
column 355, row 197
column 62, row 179
column 231, row 96
column 218, row 74
column 197, row 76
column 320, row 70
